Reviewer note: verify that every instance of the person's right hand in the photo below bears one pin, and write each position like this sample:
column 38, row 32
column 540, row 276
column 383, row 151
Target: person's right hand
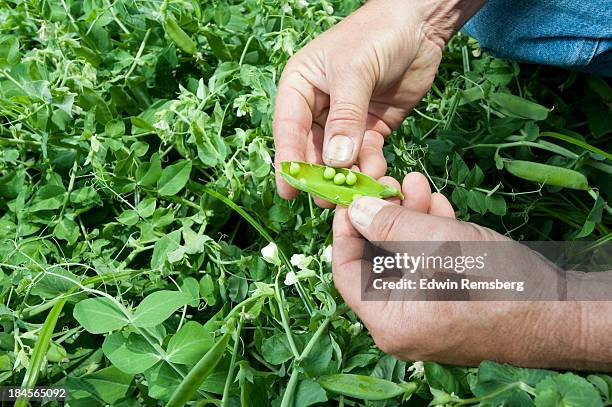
column 353, row 85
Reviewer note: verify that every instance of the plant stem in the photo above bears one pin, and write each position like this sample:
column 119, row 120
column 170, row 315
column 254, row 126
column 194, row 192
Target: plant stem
column 291, row 385
column 230, row 373
column 281, row 308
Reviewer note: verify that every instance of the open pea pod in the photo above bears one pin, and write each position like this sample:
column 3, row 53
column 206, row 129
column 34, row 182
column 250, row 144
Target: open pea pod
column 366, row 387
column 336, row 185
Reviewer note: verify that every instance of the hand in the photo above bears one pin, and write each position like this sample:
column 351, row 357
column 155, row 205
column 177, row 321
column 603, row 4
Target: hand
column 528, row 333
column 352, row 86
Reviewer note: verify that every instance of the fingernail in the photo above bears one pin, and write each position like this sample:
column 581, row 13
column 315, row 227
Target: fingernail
column 339, row 148
column 363, row 210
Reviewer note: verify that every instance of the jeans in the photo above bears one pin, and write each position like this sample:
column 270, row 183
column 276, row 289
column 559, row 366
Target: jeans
column 574, row 34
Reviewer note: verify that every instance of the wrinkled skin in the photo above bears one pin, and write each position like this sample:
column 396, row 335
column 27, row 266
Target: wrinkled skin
column 337, row 99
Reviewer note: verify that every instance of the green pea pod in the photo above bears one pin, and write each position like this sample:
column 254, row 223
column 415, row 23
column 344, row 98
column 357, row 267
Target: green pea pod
column 205, row 366
column 180, row 37
column 313, row 178
column 365, row 387
column 516, row 106
column 547, row 174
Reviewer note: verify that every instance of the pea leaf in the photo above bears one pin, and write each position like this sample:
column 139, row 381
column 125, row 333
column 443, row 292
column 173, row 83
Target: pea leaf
column 189, row 344
column 158, row 306
column 309, row 392
column 500, row 384
column 566, row 390
column 174, row 177
column 99, row 315
column 129, row 353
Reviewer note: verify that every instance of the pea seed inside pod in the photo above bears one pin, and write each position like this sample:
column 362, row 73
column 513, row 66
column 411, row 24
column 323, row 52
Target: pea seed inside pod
column 339, row 178
column 329, row 173
column 294, row 168
column 351, row 178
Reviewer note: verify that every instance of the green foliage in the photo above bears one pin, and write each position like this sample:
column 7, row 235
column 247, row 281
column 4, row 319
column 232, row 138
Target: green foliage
column 137, row 191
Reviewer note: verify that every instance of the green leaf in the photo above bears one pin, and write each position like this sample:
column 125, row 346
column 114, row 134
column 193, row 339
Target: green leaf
column 208, row 290
column 67, row 230
column 128, row 217
column 129, row 353
column 189, row 344
column 163, row 246
column 440, row 377
column 146, row 207
column 47, row 198
column 276, row 350
column 99, row 315
column 459, row 170
column 174, row 178
column 107, row 385
column 9, row 52
column 161, row 380
column 474, row 178
column 308, row 393
column 476, row 200
column 191, row 286
column 567, row 390
column 54, row 282
column 158, row 306
column 500, row 384
column 148, row 173
column 496, row 204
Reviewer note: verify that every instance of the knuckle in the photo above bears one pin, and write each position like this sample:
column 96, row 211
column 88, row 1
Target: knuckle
column 345, row 112
column 390, row 223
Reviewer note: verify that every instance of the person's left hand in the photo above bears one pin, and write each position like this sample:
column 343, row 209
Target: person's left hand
column 527, row 333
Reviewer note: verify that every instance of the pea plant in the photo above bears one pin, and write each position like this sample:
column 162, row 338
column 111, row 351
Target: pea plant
column 145, row 258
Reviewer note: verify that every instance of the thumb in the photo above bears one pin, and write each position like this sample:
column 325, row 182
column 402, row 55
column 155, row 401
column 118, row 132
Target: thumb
column 380, row 221
column 349, row 99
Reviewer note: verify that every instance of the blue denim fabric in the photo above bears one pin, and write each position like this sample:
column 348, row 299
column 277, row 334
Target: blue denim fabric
column 575, row 34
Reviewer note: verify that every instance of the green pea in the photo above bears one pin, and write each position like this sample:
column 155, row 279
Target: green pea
column 313, row 179
column 516, row 106
column 294, row 168
column 180, row 37
column 329, row 173
column 547, row 174
column 339, row 178
column 351, row 178
column 365, row 387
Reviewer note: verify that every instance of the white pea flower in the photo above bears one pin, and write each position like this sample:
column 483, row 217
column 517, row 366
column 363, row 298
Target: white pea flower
column 301, row 261
column 290, row 278
column 355, row 328
column 286, row 9
column 240, row 112
column 326, row 256
column 329, row 9
column 270, row 254
column 417, row 369
column 162, row 125
column 43, row 34
column 303, row 3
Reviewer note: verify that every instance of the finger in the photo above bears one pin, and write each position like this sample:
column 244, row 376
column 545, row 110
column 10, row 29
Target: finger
column 380, row 221
column 348, row 246
column 313, row 155
column 371, row 158
column 440, row 206
column 291, row 125
column 417, row 193
column 346, row 256
column 350, row 94
column 393, row 183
